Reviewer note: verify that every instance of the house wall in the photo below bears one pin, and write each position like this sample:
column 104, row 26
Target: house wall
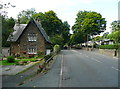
column 15, row 48
column 24, row 43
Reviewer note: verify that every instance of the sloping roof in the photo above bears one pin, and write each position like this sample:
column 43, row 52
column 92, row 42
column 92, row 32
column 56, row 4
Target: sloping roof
column 19, row 28
column 42, row 31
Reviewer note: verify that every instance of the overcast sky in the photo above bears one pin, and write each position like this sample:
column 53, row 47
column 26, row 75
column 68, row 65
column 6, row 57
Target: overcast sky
column 67, row 9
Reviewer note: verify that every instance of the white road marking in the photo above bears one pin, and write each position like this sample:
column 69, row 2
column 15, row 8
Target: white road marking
column 61, row 72
column 115, row 68
column 115, row 57
column 96, row 60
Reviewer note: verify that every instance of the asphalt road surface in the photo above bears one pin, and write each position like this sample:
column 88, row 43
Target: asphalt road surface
column 79, row 68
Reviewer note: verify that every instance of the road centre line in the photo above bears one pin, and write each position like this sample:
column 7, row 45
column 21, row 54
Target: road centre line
column 96, row 60
column 115, row 57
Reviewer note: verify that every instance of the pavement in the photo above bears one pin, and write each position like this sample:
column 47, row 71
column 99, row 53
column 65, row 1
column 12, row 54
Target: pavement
column 15, row 69
column 13, row 77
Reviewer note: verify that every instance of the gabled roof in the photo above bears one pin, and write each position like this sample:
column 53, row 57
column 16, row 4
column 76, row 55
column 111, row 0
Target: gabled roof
column 19, row 28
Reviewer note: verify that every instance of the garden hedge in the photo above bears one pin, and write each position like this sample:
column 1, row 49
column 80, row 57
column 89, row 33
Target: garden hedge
column 115, row 46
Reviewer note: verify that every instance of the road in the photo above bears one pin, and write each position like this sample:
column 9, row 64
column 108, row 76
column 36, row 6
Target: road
column 79, row 68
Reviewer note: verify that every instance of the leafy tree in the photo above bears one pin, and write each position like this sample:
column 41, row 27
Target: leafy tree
column 81, row 15
column 57, row 39
column 25, row 15
column 76, row 38
column 65, row 31
column 105, row 35
column 7, row 28
column 97, row 38
column 93, row 23
column 87, row 24
column 78, row 34
column 114, row 36
column 115, row 25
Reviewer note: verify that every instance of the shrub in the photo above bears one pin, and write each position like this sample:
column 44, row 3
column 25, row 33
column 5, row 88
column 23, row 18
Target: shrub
column 115, row 46
column 21, row 57
column 56, row 48
column 40, row 54
column 10, row 59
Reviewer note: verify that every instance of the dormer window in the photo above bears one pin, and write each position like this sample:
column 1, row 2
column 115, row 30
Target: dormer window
column 32, row 37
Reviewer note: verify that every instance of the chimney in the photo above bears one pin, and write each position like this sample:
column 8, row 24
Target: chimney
column 39, row 21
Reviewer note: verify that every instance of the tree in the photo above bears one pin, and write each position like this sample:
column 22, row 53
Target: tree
column 81, row 15
column 76, row 38
column 115, row 25
column 93, row 24
column 65, row 31
column 78, row 34
column 57, row 39
column 25, row 15
column 97, row 38
column 105, row 35
column 114, row 36
column 7, row 28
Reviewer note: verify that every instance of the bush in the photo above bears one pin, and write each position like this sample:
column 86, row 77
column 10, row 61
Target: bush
column 21, row 57
column 40, row 54
column 115, row 46
column 56, row 48
column 10, row 59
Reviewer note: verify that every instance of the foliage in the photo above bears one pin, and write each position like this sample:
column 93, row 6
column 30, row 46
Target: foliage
column 25, row 15
column 5, row 62
column 97, row 38
column 93, row 23
column 115, row 46
column 105, row 35
column 114, row 36
column 57, row 39
column 87, row 24
column 40, row 54
column 7, row 28
column 115, row 25
column 77, row 37
column 10, row 59
column 56, row 48
column 21, row 57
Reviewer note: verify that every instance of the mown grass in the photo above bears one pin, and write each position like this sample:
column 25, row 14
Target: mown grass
column 5, row 62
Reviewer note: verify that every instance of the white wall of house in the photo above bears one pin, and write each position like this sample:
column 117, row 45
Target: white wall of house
column 48, row 51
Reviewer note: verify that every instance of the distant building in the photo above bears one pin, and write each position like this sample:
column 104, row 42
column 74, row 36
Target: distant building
column 28, row 39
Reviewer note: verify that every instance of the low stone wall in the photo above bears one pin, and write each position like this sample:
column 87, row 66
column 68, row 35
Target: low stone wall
column 108, row 52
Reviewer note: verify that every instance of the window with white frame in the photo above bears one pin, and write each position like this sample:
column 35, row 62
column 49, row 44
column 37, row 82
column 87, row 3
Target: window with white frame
column 32, row 37
column 32, row 50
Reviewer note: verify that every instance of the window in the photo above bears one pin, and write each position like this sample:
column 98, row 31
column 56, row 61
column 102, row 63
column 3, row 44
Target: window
column 32, row 50
column 32, row 37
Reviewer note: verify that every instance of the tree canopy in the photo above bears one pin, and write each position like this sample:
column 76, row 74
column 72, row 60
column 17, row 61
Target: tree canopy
column 88, row 24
